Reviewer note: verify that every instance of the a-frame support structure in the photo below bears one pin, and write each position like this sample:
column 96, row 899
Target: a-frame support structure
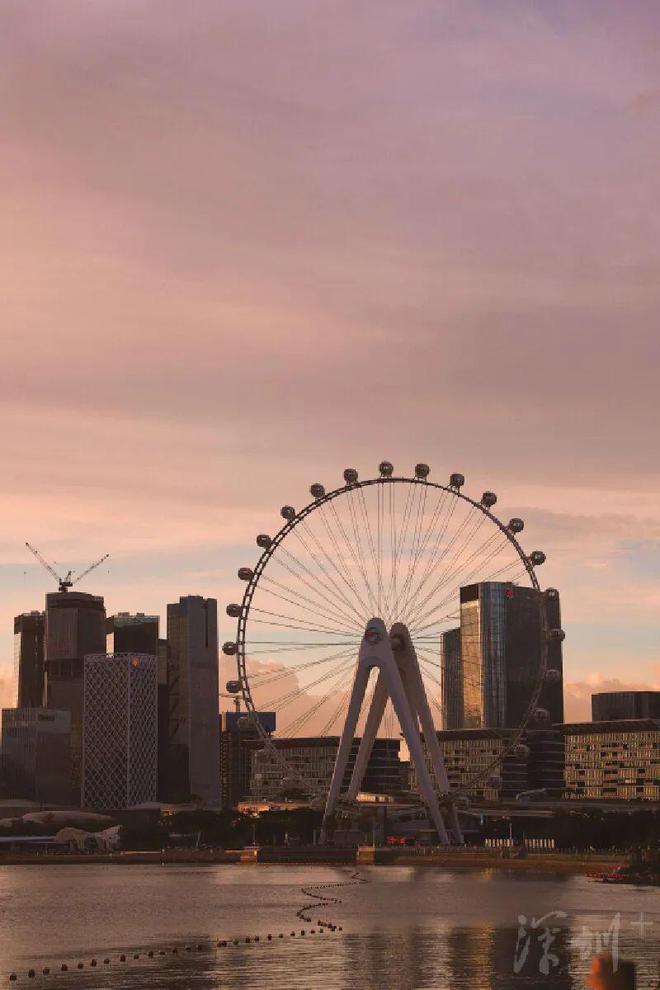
column 400, row 679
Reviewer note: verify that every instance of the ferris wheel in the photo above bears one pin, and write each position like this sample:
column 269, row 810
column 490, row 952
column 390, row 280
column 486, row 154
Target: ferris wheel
column 392, row 558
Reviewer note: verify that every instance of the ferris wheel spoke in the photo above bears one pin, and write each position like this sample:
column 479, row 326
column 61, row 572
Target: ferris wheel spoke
column 422, row 549
column 342, row 574
column 358, row 594
column 461, row 581
column 343, row 704
column 268, row 677
column 304, row 717
column 414, row 550
column 285, row 699
column 339, row 591
column 306, row 608
column 447, row 572
column 362, row 503
column 436, row 556
column 292, row 645
column 313, row 585
column 373, row 603
column 293, row 618
column 405, row 523
column 322, row 630
column 313, row 604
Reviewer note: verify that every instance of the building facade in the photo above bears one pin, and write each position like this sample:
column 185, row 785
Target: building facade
column 35, row 750
column 452, row 701
column 488, row 681
column 120, row 730
column 238, row 733
column 126, row 633
column 476, row 764
column 313, row 760
column 612, row 705
column 75, row 626
column 29, row 629
column 610, row 761
column 193, row 692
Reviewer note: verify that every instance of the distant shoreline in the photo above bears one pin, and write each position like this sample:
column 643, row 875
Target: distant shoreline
column 557, row 863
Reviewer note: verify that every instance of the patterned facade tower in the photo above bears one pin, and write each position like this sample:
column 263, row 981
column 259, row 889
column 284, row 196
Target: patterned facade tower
column 120, row 730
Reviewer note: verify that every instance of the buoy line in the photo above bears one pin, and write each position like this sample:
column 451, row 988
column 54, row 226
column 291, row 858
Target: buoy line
column 324, row 900
column 310, row 890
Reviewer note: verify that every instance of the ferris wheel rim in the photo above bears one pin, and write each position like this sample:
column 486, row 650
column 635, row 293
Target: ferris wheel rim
column 276, row 541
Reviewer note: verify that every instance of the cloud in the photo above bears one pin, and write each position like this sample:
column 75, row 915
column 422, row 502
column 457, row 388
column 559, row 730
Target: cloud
column 577, row 694
column 7, row 692
column 246, row 245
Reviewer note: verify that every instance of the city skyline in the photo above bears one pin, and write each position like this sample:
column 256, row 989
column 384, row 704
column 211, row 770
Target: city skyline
column 227, row 255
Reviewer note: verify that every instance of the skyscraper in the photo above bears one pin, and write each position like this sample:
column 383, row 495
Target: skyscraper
column 29, row 658
column 75, row 626
column 120, row 730
column 192, row 683
column 500, row 647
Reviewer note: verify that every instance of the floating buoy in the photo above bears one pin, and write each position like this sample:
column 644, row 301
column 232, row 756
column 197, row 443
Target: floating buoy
column 122, row 958
column 150, row 954
column 106, row 961
column 12, row 977
column 93, row 962
column 175, row 952
column 64, row 968
column 200, row 947
column 81, row 966
column 46, row 970
column 136, row 956
column 31, row 974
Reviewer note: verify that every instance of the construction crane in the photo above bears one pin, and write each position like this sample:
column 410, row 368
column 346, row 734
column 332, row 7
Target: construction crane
column 68, row 581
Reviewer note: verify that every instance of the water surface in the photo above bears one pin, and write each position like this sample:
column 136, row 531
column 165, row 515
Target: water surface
column 405, row 928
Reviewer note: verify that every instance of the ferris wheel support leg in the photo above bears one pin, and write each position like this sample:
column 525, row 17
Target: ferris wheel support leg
column 414, row 685
column 345, row 743
column 410, row 731
column 371, row 728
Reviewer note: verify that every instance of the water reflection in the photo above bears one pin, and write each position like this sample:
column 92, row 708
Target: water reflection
column 407, row 931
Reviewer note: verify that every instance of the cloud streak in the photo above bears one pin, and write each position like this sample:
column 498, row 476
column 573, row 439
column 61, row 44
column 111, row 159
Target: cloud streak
column 244, row 247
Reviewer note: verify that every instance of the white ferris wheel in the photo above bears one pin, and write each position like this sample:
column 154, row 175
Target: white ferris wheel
column 343, row 623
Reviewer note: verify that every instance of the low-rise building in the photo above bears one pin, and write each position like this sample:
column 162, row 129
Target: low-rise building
column 613, row 760
column 309, row 762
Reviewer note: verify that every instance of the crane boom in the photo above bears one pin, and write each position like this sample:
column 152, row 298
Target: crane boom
column 44, row 562
column 91, row 568
column 64, row 582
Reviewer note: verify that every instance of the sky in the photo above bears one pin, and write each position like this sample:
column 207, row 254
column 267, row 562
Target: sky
column 247, row 244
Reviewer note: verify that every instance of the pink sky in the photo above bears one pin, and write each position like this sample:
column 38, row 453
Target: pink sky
column 246, row 244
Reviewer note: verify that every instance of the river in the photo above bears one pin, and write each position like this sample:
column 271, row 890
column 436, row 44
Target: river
column 404, row 928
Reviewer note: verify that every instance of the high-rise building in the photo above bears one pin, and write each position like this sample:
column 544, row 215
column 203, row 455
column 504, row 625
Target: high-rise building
column 500, row 652
column 237, row 732
column 35, row 749
column 614, row 760
column 451, row 679
column 120, row 730
column 126, row 633
column 75, row 626
column 29, row 658
column 611, row 705
column 193, row 696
